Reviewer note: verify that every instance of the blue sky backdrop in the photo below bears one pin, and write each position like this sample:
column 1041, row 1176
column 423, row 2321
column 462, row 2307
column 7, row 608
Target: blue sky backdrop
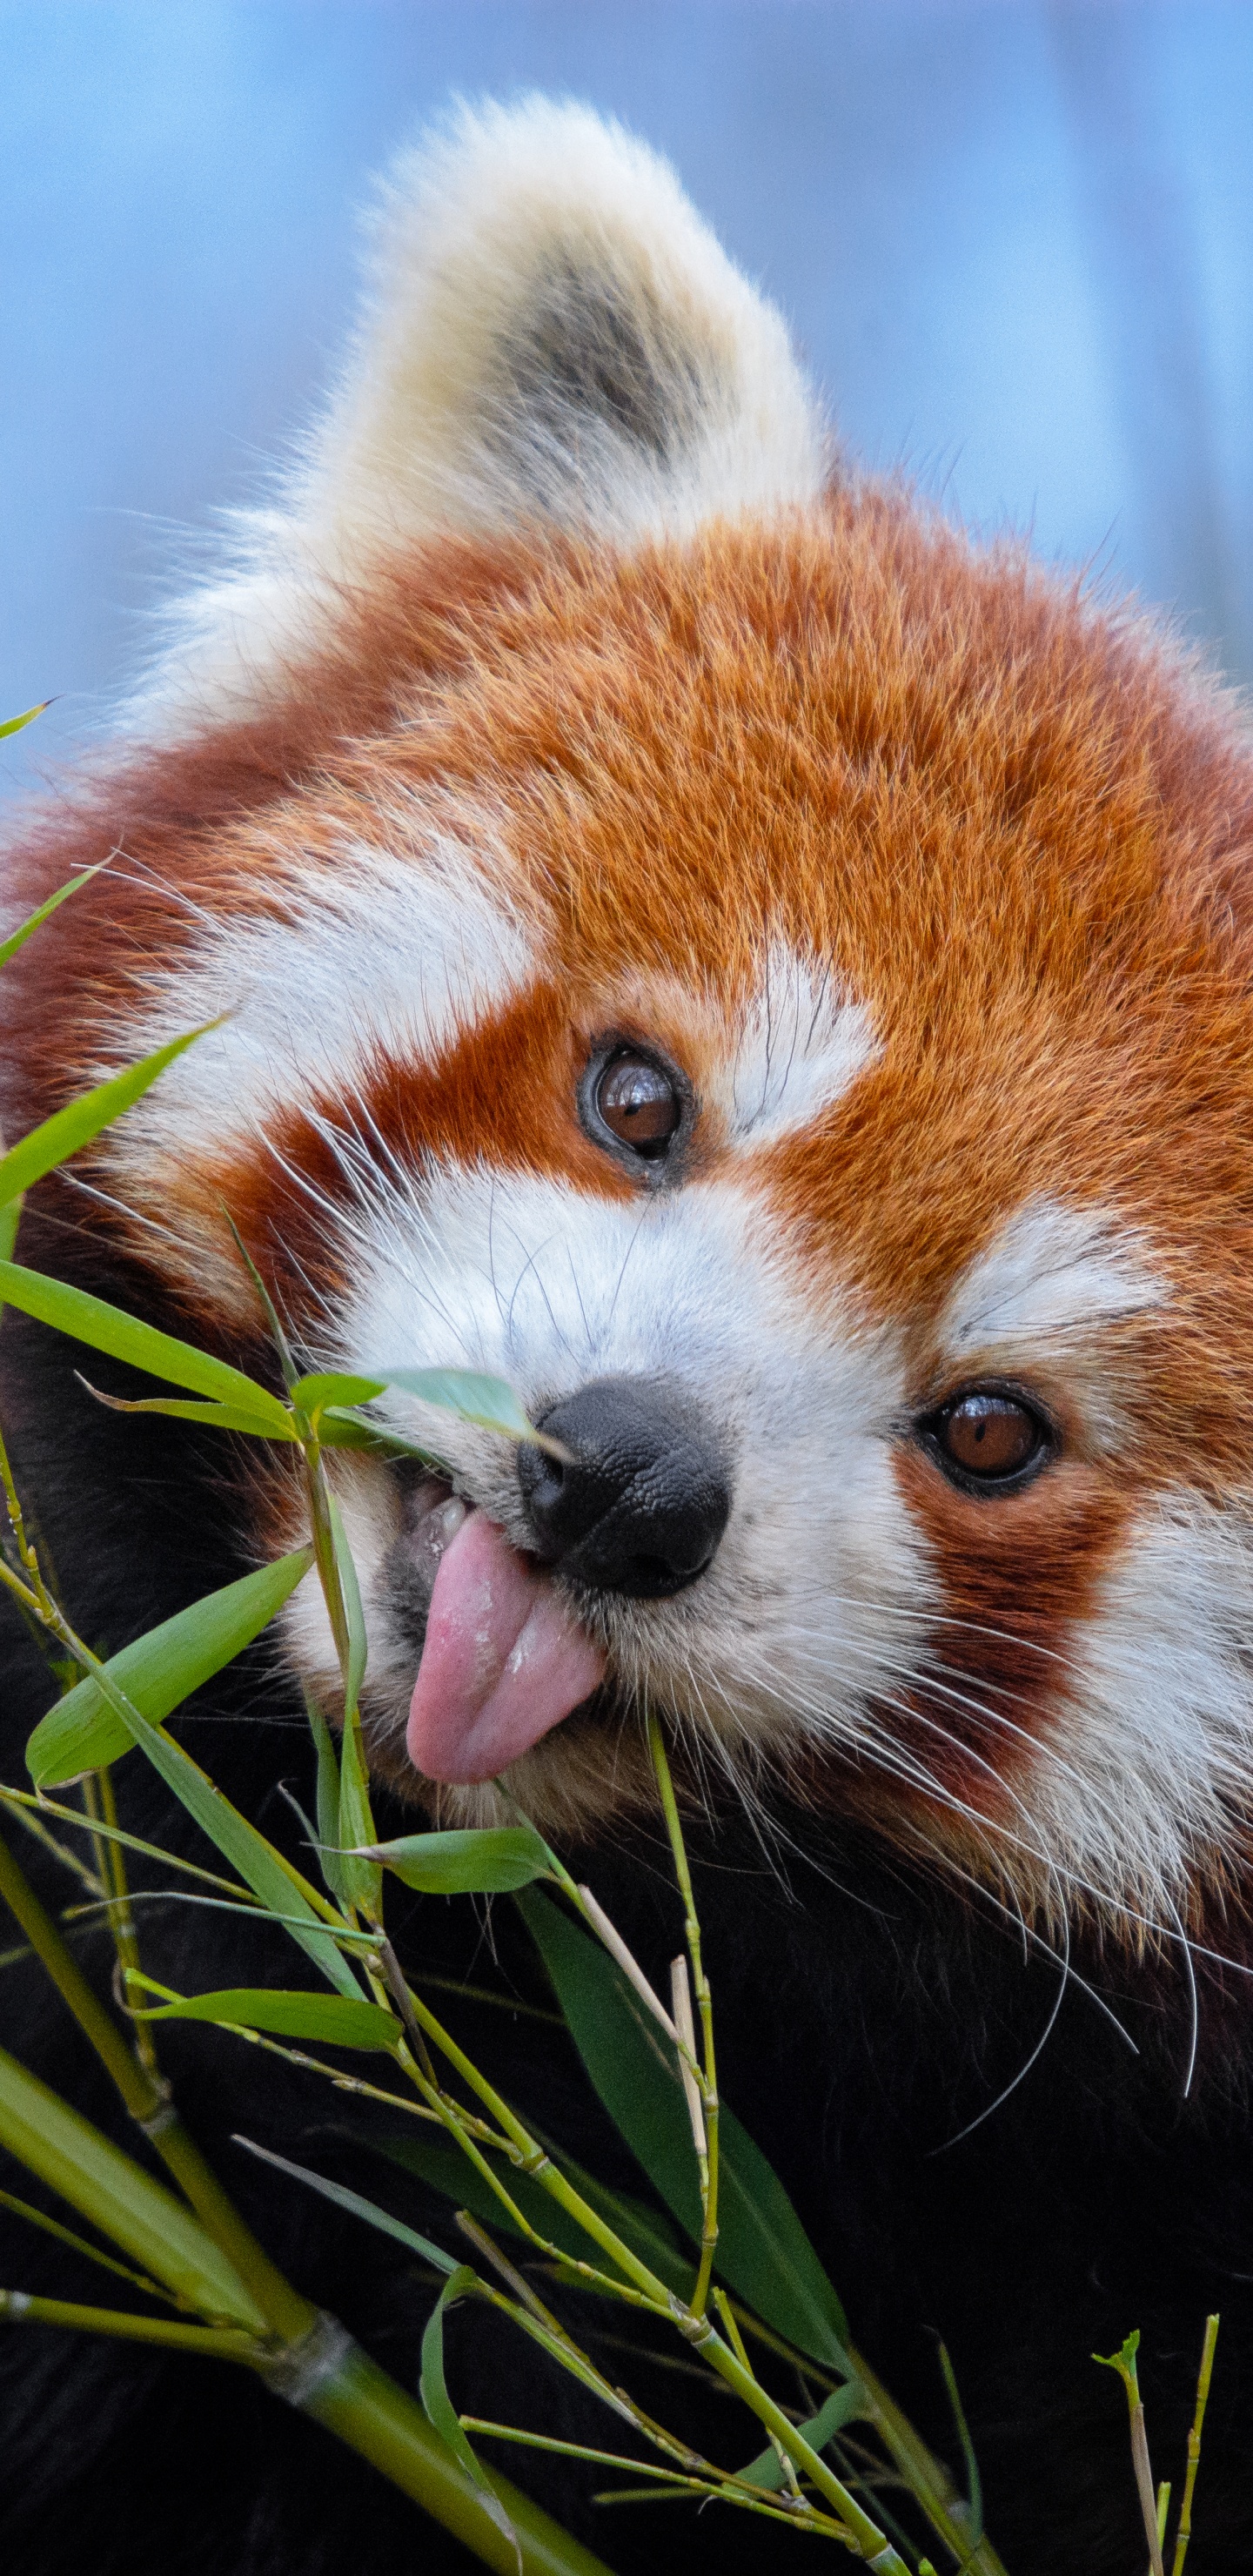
column 1015, row 243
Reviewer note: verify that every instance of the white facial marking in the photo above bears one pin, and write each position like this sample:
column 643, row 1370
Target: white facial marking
column 801, row 1047
column 1053, row 1272
column 376, row 955
column 1148, row 1765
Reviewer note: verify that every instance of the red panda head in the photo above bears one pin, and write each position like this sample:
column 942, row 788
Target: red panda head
column 771, row 981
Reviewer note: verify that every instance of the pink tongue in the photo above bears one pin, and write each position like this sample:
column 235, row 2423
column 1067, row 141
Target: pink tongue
column 503, row 1661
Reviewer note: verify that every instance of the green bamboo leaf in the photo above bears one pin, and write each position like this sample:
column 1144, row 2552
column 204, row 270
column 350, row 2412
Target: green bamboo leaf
column 433, row 2390
column 81, row 2244
column 340, row 1430
column 61, row 1135
column 327, row 1800
column 328, row 1387
column 440, row 2163
column 281, row 1889
column 353, row 1613
column 105, row 2186
column 14, row 724
column 763, row 2251
column 106, row 1328
column 10, row 1219
column 357, row 2206
column 974, row 2482
column 333, row 2019
column 466, row 1861
column 841, row 2408
column 218, row 1417
column 35, row 921
column 82, row 1732
column 487, row 1401
column 363, row 1879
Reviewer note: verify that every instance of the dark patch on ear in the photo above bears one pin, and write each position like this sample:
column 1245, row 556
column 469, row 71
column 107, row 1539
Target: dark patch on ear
column 588, row 355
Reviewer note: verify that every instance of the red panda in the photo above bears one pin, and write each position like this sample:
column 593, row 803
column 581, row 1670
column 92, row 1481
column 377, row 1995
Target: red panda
column 696, row 937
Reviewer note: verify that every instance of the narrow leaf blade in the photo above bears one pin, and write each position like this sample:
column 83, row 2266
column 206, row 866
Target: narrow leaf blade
column 351, row 1590
column 258, row 1864
column 334, row 2020
column 107, row 2187
column 62, row 1135
column 329, row 1386
column 107, row 1328
column 841, row 2408
column 763, row 2251
column 488, row 1861
column 14, row 724
column 440, row 2410
column 216, row 1417
column 357, row 2206
column 440, row 2162
column 327, row 1800
column 160, row 1670
column 488, row 1402
column 35, row 920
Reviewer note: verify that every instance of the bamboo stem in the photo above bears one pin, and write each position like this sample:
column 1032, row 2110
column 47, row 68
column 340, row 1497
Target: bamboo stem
column 706, row 2075
column 380, row 2421
column 147, row 2098
column 1183, row 2531
column 227, row 2343
column 871, row 2543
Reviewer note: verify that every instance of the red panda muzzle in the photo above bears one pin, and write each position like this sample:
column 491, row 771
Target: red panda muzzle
column 636, row 1506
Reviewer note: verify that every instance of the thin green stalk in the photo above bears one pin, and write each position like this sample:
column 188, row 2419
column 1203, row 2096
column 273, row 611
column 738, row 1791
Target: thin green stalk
column 1183, row 2532
column 870, row 2541
column 926, row 2477
column 707, row 2076
column 34, row 1825
column 94, row 2253
column 534, row 2159
column 226, row 2343
column 719, row 2487
column 29, row 1806
column 101, row 1805
column 736, row 2341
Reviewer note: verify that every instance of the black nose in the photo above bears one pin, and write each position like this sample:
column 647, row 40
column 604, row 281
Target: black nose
column 644, row 1502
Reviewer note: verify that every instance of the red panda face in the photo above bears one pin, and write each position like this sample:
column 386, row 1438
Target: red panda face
column 771, row 983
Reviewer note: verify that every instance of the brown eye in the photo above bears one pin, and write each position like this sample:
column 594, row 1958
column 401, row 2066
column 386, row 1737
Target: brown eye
column 639, row 1103
column 989, row 1439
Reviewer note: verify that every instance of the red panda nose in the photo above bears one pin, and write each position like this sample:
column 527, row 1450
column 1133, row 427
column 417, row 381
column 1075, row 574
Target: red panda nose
column 643, row 1502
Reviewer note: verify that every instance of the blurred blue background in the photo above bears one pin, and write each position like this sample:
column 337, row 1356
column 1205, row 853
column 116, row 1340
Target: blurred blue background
column 1015, row 243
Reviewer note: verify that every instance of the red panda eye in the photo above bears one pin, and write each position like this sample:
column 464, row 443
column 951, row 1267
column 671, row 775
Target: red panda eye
column 989, row 1438
column 639, row 1104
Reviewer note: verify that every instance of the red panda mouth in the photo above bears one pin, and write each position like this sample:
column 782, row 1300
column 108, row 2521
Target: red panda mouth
column 503, row 1659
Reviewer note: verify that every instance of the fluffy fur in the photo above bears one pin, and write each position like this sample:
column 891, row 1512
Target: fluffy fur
column 564, row 694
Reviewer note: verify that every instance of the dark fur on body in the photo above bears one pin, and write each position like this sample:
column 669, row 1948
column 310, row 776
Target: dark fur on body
column 866, row 2014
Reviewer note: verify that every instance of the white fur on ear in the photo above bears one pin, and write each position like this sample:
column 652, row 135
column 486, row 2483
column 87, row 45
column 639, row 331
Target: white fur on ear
column 550, row 334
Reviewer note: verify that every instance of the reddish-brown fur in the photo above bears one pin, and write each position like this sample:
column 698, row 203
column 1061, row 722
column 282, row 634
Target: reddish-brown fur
column 1009, row 824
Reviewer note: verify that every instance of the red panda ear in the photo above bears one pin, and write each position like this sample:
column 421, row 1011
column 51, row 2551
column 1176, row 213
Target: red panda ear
column 549, row 334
